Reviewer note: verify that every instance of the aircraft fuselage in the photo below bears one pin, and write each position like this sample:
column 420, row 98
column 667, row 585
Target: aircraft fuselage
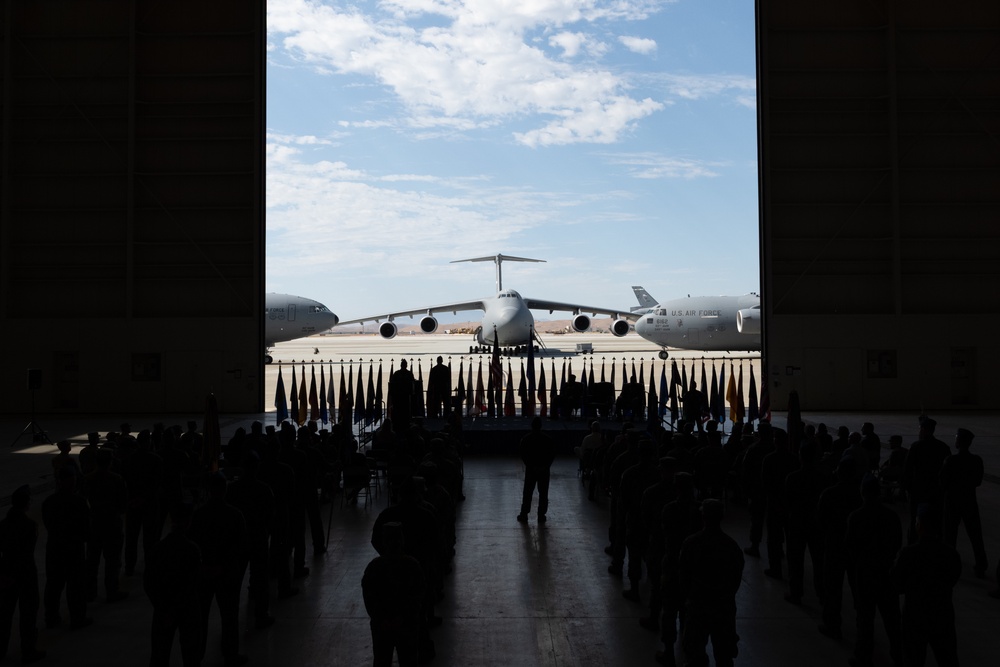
column 287, row 317
column 707, row 323
column 510, row 317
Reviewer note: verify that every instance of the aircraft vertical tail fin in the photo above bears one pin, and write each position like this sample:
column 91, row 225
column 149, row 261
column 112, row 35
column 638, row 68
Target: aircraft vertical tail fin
column 498, row 260
column 643, row 297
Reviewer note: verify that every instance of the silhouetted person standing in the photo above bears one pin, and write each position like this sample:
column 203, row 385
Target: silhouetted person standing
column 774, row 470
column 106, row 492
column 874, row 537
column 401, row 387
column 255, row 500
column 393, row 589
column 537, row 452
column 679, row 519
column 836, row 504
column 19, row 577
column 66, row 515
column 961, row 475
column 752, row 483
column 221, row 533
column 634, row 483
column 922, row 472
column 439, row 390
column 925, row 574
column 171, row 582
column 142, row 471
column 711, row 570
column 802, row 490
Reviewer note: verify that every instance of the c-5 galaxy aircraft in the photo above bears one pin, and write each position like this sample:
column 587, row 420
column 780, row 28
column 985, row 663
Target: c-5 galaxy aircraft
column 506, row 315
column 710, row 323
column 289, row 317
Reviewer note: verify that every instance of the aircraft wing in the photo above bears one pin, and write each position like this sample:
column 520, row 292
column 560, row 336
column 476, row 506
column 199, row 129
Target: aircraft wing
column 479, row 304
column 551, row 306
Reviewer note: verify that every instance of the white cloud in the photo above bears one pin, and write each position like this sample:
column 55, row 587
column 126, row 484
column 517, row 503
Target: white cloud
column 466, row 64
column 325, row 217
column 701, row 86
column 656, row 166
column 638, row 44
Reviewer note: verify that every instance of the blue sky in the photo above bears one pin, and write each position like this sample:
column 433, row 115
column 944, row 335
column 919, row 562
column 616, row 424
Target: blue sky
column 615, row 139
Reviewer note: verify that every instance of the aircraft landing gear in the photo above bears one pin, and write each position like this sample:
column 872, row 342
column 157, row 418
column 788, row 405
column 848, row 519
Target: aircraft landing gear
column 268, row 359
column 663, row 354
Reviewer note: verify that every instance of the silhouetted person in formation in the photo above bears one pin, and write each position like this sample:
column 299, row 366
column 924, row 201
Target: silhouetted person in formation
column 891, row 470
column 836, row 504
column 255, row 500
column 654, row 499
column 439, row 390
column 142, row 472
column 925, row 574
column 922, row 472
column 711, row 570
column 635, row 481
column 66, row 515
column 802, row 490
column 752, row 482
column 220, row 532
column 19, row 577
column 874, row 537
column 711, row 464
column 422, row 540
column 628, row 457
column 108, row 497
column 679, row 519
column 88, row 455
column 401, row 387
column 774, row 470
column 171, row 581
column 537, row 452
column 280, row 477
column 872, row 445
column 393, row 589
column 64, row 459
column 314, row 470
column 961, row 474
column 587, row 454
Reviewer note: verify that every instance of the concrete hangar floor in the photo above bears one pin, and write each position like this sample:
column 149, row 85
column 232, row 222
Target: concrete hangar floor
column 520, row 594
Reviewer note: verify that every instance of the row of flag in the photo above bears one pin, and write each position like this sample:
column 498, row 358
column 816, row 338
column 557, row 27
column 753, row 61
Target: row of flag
column 496, row 393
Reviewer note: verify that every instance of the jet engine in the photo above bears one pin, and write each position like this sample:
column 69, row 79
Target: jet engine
column 581, row 323
column 620, row 327
column 428, row 324
column 748, row 321
column 387, row 330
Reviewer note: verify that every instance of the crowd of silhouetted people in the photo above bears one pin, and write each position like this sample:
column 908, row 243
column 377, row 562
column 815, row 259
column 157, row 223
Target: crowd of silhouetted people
column 206, row 517
column 807, row 492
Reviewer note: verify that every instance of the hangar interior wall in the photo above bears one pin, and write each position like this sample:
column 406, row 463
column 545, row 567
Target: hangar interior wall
column 880, row 202
column 131, row 243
